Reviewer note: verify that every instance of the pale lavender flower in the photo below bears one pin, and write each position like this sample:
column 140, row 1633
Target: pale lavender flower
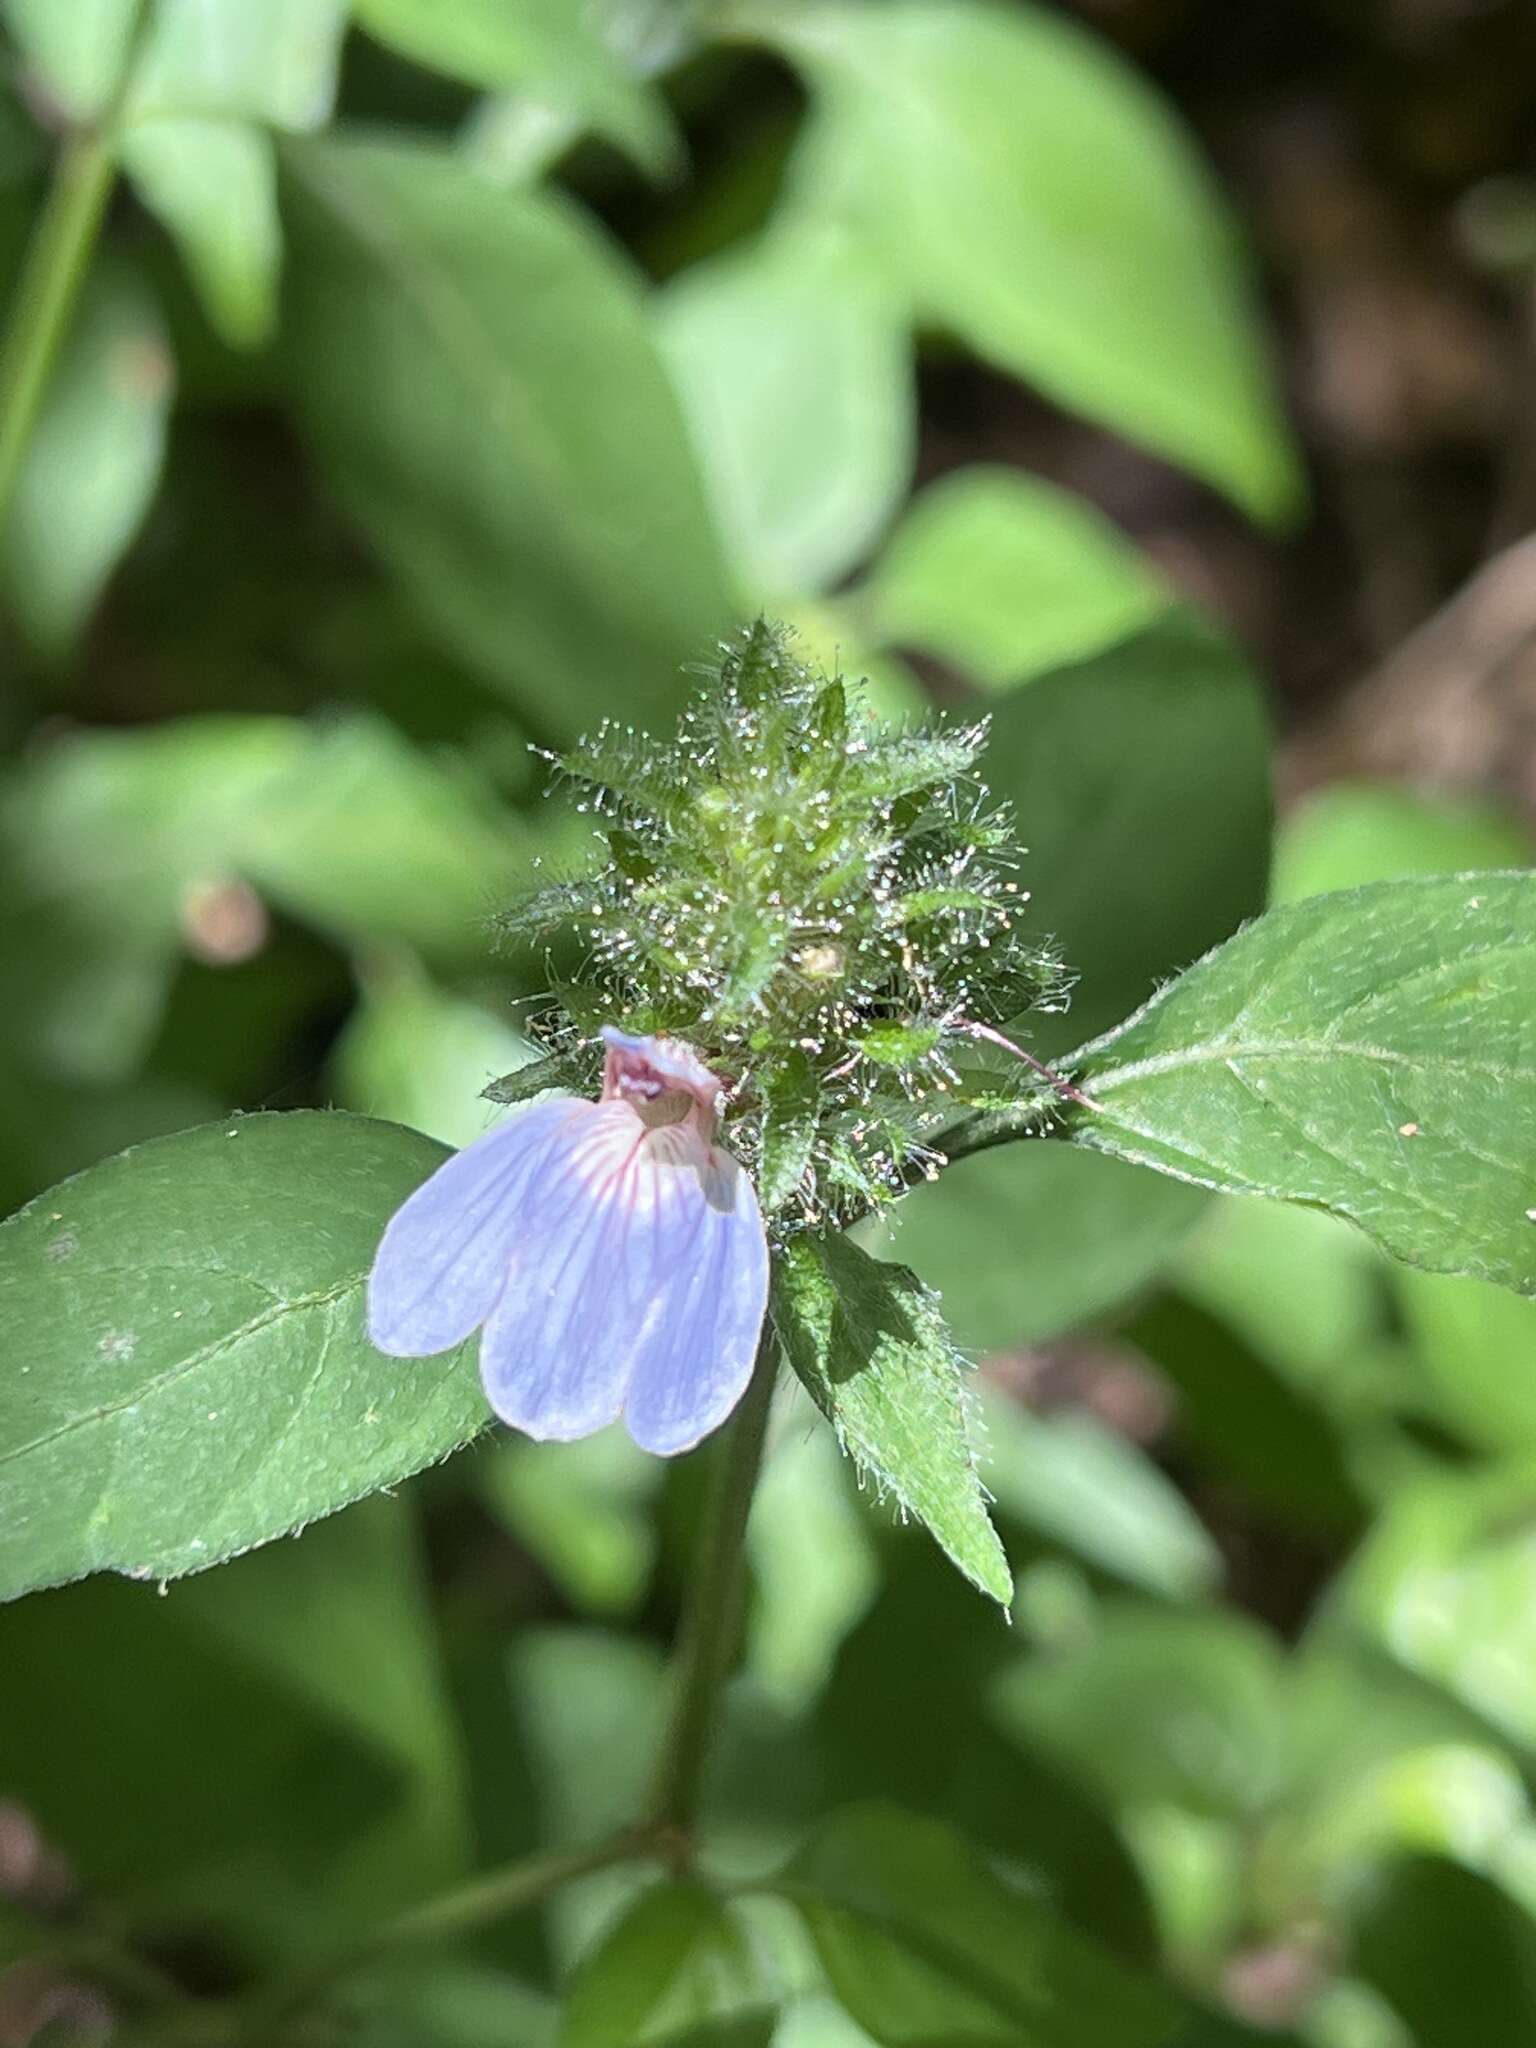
column 613, row 1252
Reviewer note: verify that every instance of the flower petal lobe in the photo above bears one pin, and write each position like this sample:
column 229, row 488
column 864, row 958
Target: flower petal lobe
column 443, row 1263
column 697, row 1356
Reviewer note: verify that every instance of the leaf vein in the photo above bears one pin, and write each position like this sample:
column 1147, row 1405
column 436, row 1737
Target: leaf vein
column 179, row 1371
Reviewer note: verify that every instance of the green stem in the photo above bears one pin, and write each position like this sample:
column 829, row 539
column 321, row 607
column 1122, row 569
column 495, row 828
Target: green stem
column 707, row 1637
column 46, row 292
column 981, row 1129
column 476, row 1903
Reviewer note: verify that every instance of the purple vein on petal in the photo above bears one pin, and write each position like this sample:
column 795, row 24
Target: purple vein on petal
column 442, row 1241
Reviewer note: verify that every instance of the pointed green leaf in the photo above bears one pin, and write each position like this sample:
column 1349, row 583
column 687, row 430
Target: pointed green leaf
column 78, row 51
column 188, row 1372
column 924, row 1944
column 213, row 185
column 475, row 370
column 1006, row 576
column 903, row 763
column 1371, row 1052
column 1125, row 771
column 677, row 1971
column 1032, row 196
column 795, row 370
column 275, row 63
column 93, row 462
column 869, row 1344
column 559, row 70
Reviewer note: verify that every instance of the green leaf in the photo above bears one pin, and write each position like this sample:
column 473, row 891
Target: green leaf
column 1451, row 1953
column 1072, row 1479
column 212, row 1784
column 1005, row 577
column 1354, row 832
column 1125, row 772
column 534, row 1077
column 79, row 51
column 1355, row 1722
column 795, row 373
column 214, row 75
column 676, row 1972
column 475, row 371
column 445, row 2004
column 1032, row 196
column 368, row 836
column 1029, row 1241
column 1476, row 1347
column 570, row 68
column 111, row 841
column 870, row 1347
column 589, row 1708
column 922, row 1943
column 816, row 2022
column 415, row 1055
column 789, row 1129
column 213, row 185
column 1207, row 1730
column 514, row 138
column 275, row 63
column 1447, row 1584
column 1457, row 1800
column 192, row 1374
column 93, row 461
column 345, row 1619
column 479, row 41
column 813, row 1569
column 582, row 1509
column 1371, row 1052
column 826, row 635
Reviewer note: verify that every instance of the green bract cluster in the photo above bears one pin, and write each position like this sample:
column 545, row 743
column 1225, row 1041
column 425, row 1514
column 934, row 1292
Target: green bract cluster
column 824, row 907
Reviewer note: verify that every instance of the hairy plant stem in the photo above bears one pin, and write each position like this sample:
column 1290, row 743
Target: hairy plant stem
column 708, row 1632
column 980, row 1129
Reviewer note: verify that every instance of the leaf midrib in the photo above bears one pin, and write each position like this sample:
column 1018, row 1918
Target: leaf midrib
column 1301, row 1050
column 447, row 312
column 173, row 1374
